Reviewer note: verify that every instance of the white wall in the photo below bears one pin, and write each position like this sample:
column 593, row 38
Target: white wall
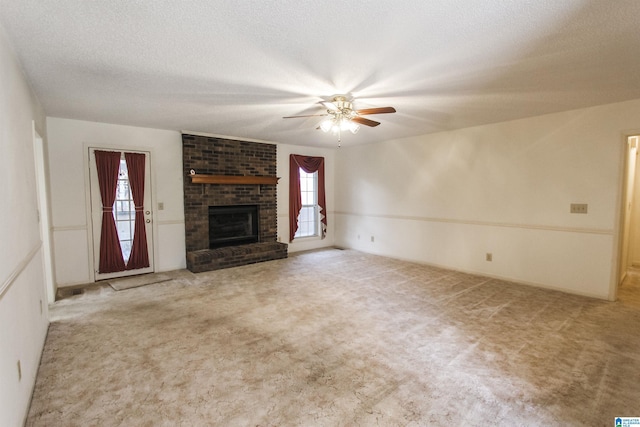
column 449, row 198
column 303, row 244
column 23, row 302
column 68, row 147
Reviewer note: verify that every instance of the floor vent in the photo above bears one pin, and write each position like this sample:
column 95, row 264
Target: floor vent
column 63, row 293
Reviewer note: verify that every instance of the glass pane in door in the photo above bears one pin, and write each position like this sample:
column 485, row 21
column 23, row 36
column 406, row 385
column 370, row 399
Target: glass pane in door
column 124, row 211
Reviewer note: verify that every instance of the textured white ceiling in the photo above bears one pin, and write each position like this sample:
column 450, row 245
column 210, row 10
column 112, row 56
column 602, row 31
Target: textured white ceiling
column 237, row 67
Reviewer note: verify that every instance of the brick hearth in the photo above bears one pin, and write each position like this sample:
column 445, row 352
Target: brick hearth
column 217, row 156
column 233, row 256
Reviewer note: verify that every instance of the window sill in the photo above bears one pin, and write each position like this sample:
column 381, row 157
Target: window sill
column 306, row 238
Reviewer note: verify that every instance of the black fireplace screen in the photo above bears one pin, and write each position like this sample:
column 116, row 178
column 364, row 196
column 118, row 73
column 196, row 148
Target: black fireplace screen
column 232, row 225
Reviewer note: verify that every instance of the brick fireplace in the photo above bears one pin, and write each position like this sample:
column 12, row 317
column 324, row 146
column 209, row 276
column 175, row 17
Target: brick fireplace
column 229, row 177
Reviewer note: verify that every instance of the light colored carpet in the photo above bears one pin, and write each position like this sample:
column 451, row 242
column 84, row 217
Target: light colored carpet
column 137, row 281
column 338, row 338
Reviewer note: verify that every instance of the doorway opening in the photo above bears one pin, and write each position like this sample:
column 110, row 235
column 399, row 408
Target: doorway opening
column 630, row 222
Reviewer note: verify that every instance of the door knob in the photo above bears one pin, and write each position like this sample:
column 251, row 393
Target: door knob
column 148, row 221
column 147, row 212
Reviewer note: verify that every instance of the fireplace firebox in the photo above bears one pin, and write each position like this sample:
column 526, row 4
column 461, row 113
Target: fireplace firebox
column 232, row 225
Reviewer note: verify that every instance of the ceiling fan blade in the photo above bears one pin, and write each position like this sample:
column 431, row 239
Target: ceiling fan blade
column 308, row 115
column 366, row 122
column 329, row 105
column 380, row 110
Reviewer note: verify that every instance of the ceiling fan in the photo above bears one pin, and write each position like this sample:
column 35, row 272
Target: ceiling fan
column 341, row 116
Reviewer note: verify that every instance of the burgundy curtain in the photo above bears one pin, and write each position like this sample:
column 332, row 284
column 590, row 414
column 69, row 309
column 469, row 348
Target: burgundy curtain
column 139, row 257
column 107, row 166
column 309, row 165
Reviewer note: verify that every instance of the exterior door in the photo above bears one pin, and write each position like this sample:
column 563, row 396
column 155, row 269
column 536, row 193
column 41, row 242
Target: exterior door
column 123, row 212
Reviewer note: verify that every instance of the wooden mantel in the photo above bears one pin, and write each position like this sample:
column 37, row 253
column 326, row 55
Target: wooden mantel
column 230, row 179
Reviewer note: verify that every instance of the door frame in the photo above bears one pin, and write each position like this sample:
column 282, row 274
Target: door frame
column 86, row 146
column 44, row 212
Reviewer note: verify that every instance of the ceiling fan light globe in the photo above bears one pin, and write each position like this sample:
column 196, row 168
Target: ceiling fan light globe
column 326, row 125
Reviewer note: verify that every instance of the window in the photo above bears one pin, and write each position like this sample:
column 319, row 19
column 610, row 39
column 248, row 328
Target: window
column 124, row 211
column 308, row 219
column 307, row 199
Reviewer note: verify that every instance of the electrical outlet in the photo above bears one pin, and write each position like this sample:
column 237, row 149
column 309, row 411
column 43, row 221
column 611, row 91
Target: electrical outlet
column 489, row 256
column 579, row 208
column 372, row 239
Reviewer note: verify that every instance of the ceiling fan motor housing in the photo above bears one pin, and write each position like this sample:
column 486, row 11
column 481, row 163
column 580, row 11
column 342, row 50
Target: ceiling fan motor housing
column 344, row 108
